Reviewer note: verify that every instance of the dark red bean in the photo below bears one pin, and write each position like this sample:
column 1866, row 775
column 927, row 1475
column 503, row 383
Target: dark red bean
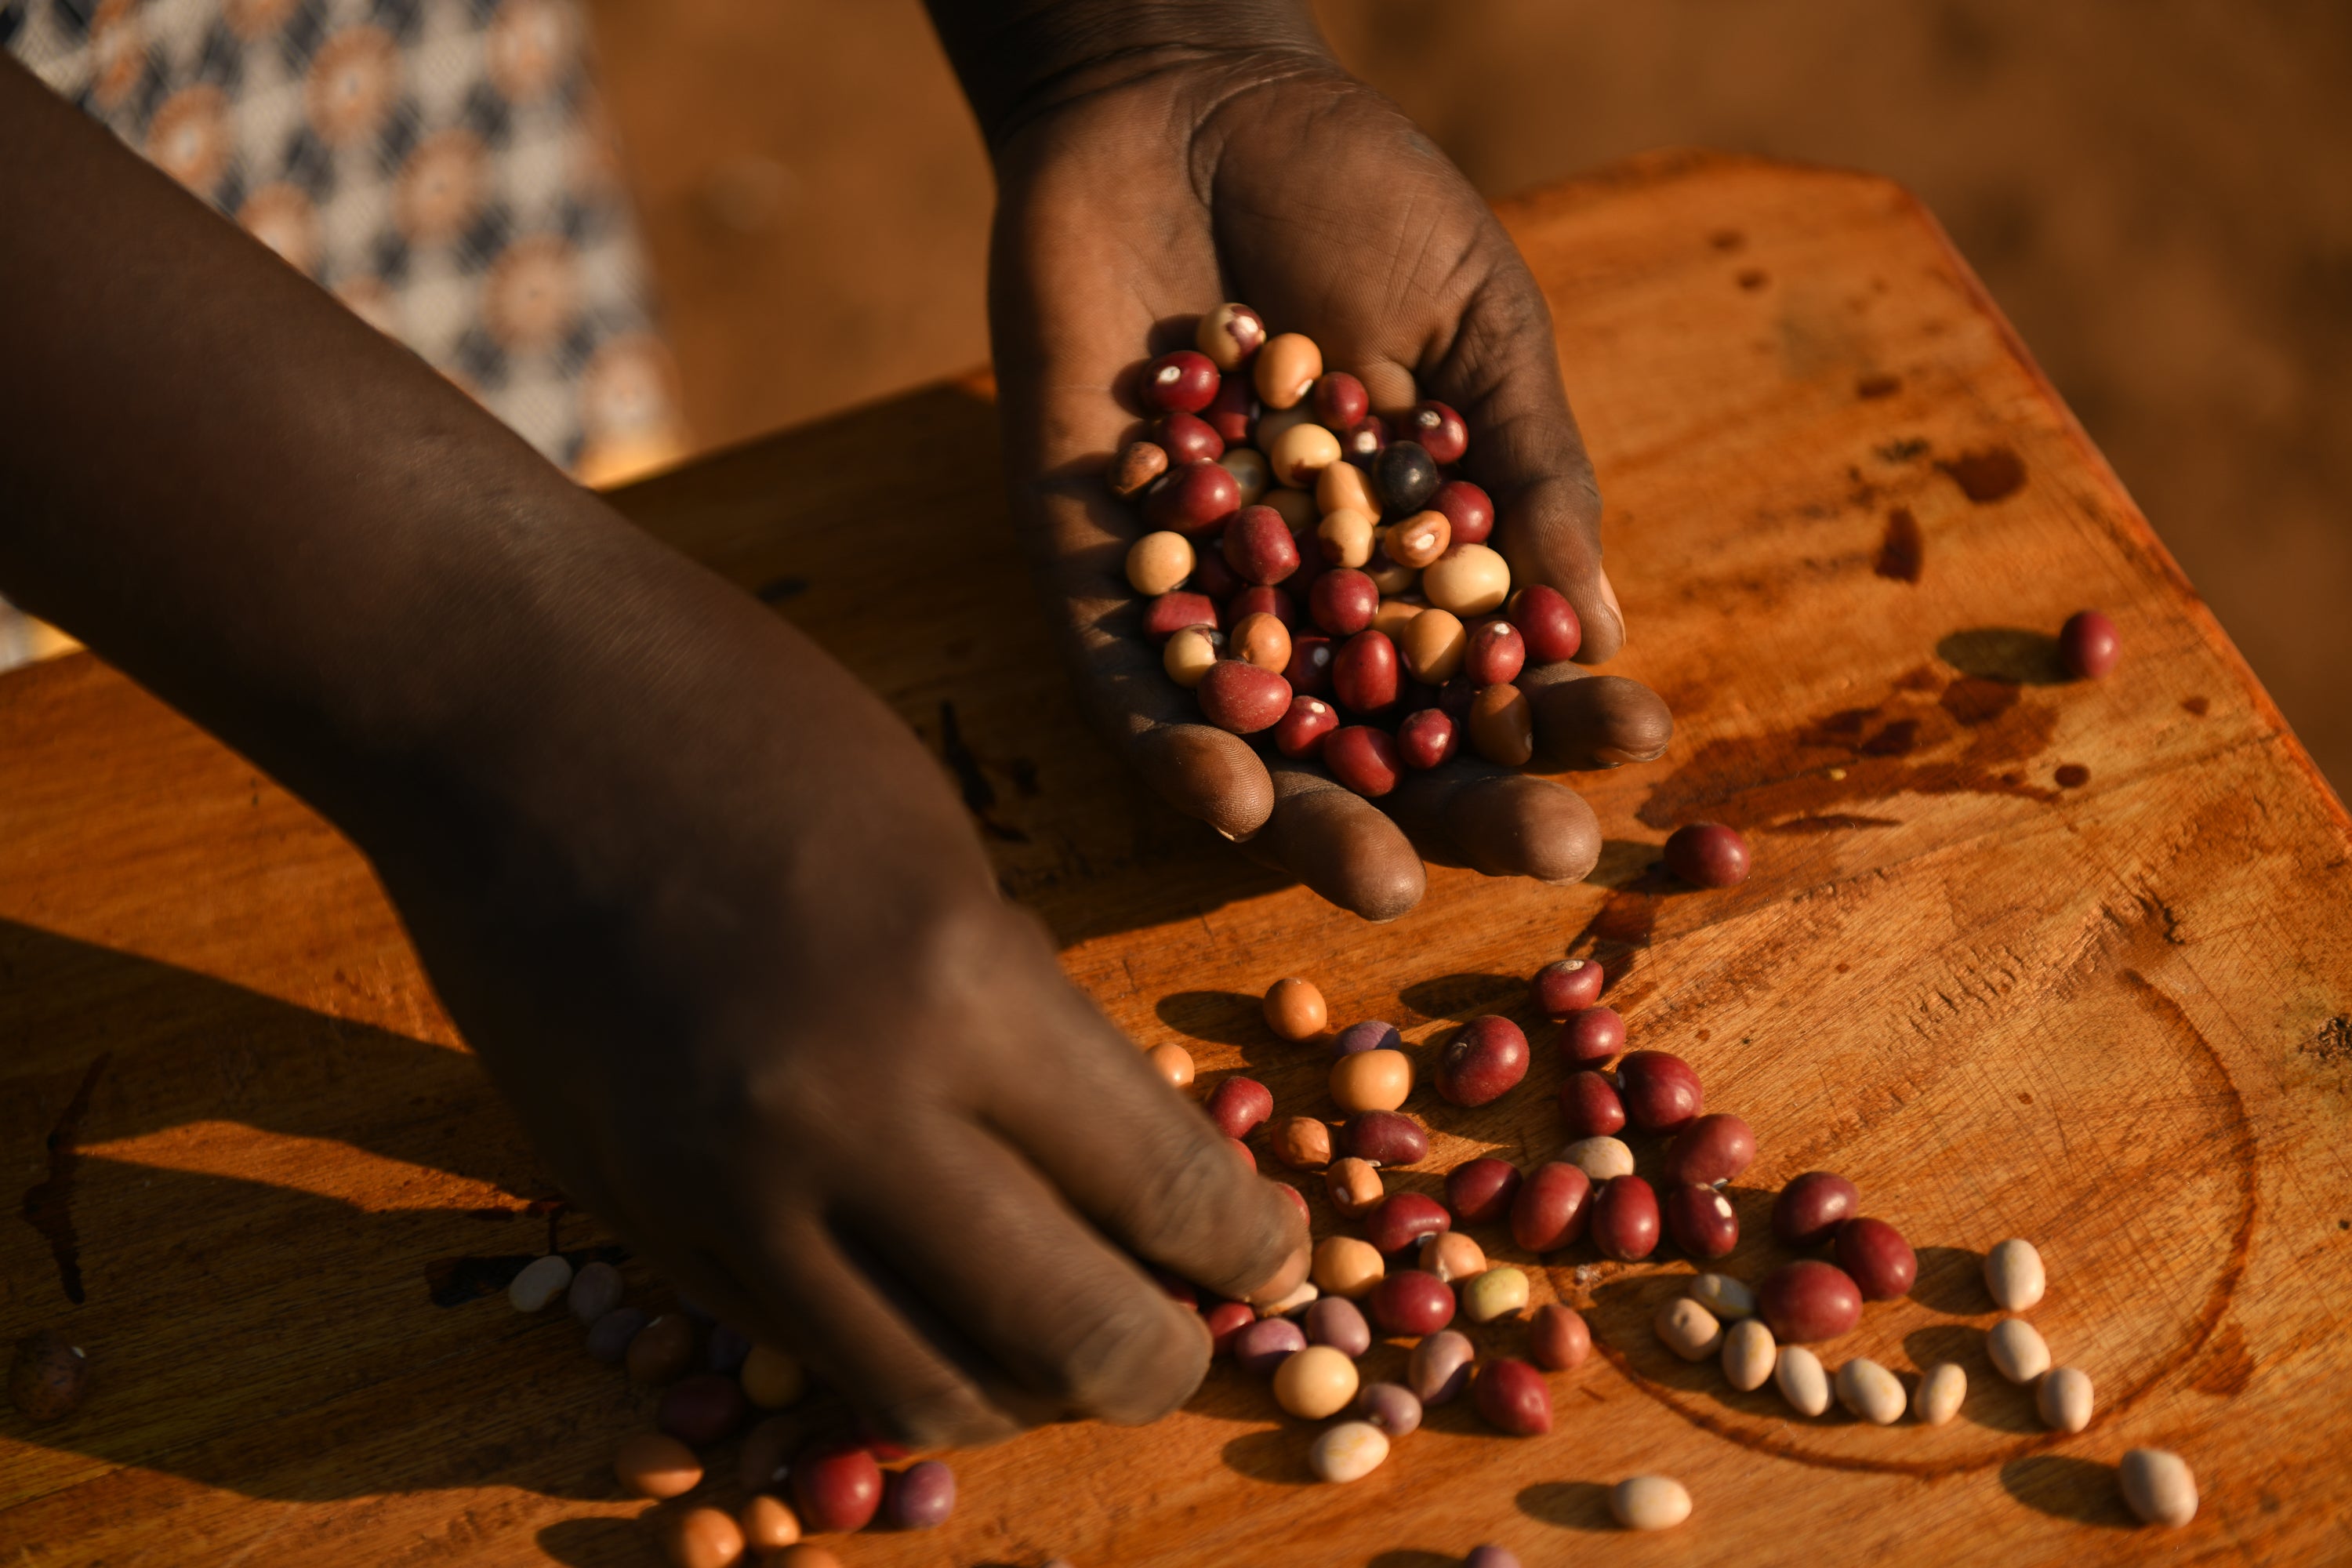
column 1406, row 475
column 837, row 1488
column 47, row 1375
column 1242, row 697
column 609, row 1336
column 1309, row 670
column 1411, row 1302
column 1567, row 985
column 1372, row 1035
column 1480, row 1191
column 1559, row 1338
column 1548, row 622
column 1881, row 1262
column 1468, row 511
column 1440, row 431
column 1810, row 1208
column 1233, row 409
column 920, row 1497
column 1194, row 499
column 1226, row 1320
column 1294, row 1198
column 1212, row 576
column 1239, row 1105
column 1496, row 653
column 1553, row 1209
column 1187, row 439
column 1427, row 739
column 1707, row 855
column 1512, row 1396
column 1340, row 401
column 1242, row 1153
column 1701, row 1220
column 1362, row 442
column 703, row 1409
column 2088, row 646
column 1457, row 697
column 1301, row 731
column 1260, row 600
column 1712, row 1149
column 1484, row 1061
column 1363, row 758
column 1267, row 1344
column 1341, row 601
column 1660, row 1091
column 1589, row 1106
column 1808, row 1300
column 1258, row 546
column 1178, row 383
column 1384, row 1138
column 1403, row 1219
column 1591, row 1036
column 1171, row 613
column 1625, row 1219
column 1364, row 675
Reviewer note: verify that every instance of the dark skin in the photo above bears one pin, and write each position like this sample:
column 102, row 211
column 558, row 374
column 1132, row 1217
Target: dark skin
column 707, row 912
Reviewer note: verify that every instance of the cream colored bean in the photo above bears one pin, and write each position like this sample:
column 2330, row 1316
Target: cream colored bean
column 1314, row 1382
column 1468, row 579
column 1726, row 1298
column 1500, row 1292
column 1347, row 1266
column 2063, row 1398
column 1747, row 1355
column 542, row 1280
column 1347, row 488
column 1688, row 1329
column 1345, row 537
column 1349, row 1451
column 1802, row 1383
column 2012, row 1272
column 1248, row 467
column 1599, row 1159
column 1649, row 1502
column 1285, row 369
column 1298, row 1300
column 1938, row 1398
column 1296, row 508
column 1299, row 458
column 1190, row 654
column 1158, row 562
column 2018, row 1351
column 1870, row 1391
column 1395, row 614
column 2159, row 1486
column 1452, row 1255
column 1371, row 1080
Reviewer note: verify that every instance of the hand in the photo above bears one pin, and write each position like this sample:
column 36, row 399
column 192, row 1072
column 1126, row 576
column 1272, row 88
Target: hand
column 1272, row 177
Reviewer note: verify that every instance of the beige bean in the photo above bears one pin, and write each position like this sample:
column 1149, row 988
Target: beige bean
column 1393, row 615
column 1433, row 645
column 1345, row 537
column 1190, row 654
column 1343, row 487
column 1601, row 1159
column 1468, row 579
column 1275, row 423
column 1726, row 1298
column 1451, row 1255
column 1287, row 369
column 1347, row 1266
column 1870, row 1391
column 2018, row 1351
column 1688, row 1329
column 769, row 1523
column 1749, row 1354
column 1371, row 1080
column 2063, row 1398
column 1498, row 1293
column 1298, row 1300
column 1248, row 467
column 653, row 1465
column 1649, row 1502
column 1299, row 458
column 2158, row 1486
column 1938, row 1398
column 1799, row 1375
column 1304, row 1144
column 1172, row 1062
column 1391, row 580
column 2012, row 1272
column 1158, row 562
column 702, row 1538
column 542, row 1280
column 1296, row 508
column 1349, row 1451
column 1314, row 1382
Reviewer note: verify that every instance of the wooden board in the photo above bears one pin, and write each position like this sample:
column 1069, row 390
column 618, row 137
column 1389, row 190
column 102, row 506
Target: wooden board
column 2071, row 962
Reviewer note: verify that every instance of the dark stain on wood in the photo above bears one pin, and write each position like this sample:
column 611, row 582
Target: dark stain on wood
column 1872, row 387
column 2199, row 706
column 1988, row 476
column 49, row 1204
column 1903, row 551
column 971, row 778
column 1752, row 278
column 1832, row 821
column 2226, row 1368
column 2071, row 776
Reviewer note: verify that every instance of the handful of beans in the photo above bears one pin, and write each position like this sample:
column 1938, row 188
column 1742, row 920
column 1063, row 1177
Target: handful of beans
column 1316, row 574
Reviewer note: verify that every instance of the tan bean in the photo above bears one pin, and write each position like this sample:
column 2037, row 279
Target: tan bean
column 769, row 1523
column 1159, row 562
column 1191, row 654
column 1172, row 1062
column 1688, row 1329
column 1298, row 1300
column 1726, row 1298
column 1286, row 370
column 2063, row 1398
column 1349, row 1451
column 1498, row 1293
column 1649, row 1502
column 1314, row 1382
column 1394, row 614
column 2012, row 1272
column 1749, row 1354
column 1468, row 579
column 1137, row 464
column 1601, row 1159
column 1355, row 1186
column 1938, row 1398
column 1303, row 1144
column 1433, row 645
column 1347, row 1266
column 2158, row 1486
column 1294, row 1007
column 1299, row 458
column 1371, row 1080
column 1248, row 467
column 1503, row 726
column 654, row 1465
column 702, row 1538
column 1803, row 1382
column 1296, row 508
column 1870, row 1391
column 2017, row 1350
column 1343, row 487
column 1344, row 537
column 1452, row 1255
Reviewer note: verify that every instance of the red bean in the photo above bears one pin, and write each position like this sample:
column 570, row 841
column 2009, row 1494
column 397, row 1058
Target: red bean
column 921, row 1497
column 1427, row 739
column 1364, row 759
column 1258, row 546
column 1361, row 442
column 1267, row 1344
column 1558, row 1336
column 1498, row 653
column 1810, row 1208
column 1485, row 1058
column 1212, row 576
column 837, row 1487
column 1339, row 1322
column 1712, row 1149
column 1384, row 1138
column 1707, row 855
column 1403, row 1219
column 1171, row 613
column 1406, row 477
column 1512, row 1397
column 1467, row 509
column 1187, row 439
column 1808, row 1300
column 1341, row 601
column 1233, row 410
column 1591, row 1036
column 2088, row 646
column 1364, row 675
column 1548, row 622
column 1309, row 670
column 1242, row 1153
column 1661, row 1091
column 1480, row 1191
column 1239, row 1105
column 1701, row 1220
column 1181, row 382
column 1411, row 1302
column 1294, row 1198
column 1881, row 1262
column 1440, row 431
column 1457, row 697
column 1553, row 1207
column 1195, row 499
column 47, row 1375
column 1242, row 697
column 703, row 1409
column 1567, row 985
column 1260, row 600
column 1226, row 1320
column 1340, row 401
column 1301, row 731
column 1625, row 1219
column 1590, row 1107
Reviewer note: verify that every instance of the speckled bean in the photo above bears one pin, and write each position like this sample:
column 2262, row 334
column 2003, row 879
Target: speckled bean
column 1802, row 1383
column 2063, row 1398
column 1938, row 1398
column 2017, row 1350
column 1749, row 1353
column 1870, row 1391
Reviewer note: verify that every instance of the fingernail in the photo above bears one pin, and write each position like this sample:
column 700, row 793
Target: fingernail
column 1285, row 1279
column 1609, row 597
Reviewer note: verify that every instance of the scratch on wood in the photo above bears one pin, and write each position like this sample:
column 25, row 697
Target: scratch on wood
column 48, row 1205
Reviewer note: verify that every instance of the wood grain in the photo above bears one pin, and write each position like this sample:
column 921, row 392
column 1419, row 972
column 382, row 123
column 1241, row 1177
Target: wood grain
column 2106, row 1012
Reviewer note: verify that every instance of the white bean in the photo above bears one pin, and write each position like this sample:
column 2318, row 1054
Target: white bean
column 1600, row 1158
column 1298, row 1300
column 1938, row 1398
column 2064, row 1399
column 2160, row 1487
column 2018, row 1351
column 1747, row 1355
column 1688, row 1329
column 1649, row 1502
column 1870, row 1391
column 1726, row 1298
column 542, row 1280
column 1347, row 1452
column 1803, row 1382
column 2012, row 1272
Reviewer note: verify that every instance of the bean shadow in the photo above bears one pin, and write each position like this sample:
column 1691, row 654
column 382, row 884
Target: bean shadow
column 2011, row 655
column 1219, row 1017
column 1951, row 1279
column 2067, row 1488
column 1457, row 998
column 1413, row 1557
column 1569, row 1505
column 599, row 1541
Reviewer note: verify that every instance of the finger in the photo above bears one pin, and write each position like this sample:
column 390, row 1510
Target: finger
column 1499, row 821
column 1339, row 844
column 1594, row 721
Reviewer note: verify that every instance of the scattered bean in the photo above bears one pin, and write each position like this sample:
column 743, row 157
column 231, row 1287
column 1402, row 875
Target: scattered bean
column 1688, row 1329
column 1371, row 1080
column 1701, row 1221
column 1316, row 1382
column 1266, row 1344
column 702, row 1538
column 1601, row 1159
column 1230, row 334
column 1553, row 1207
column 1406, row 477
column 1749, row 1353
column 1385, row 1138
column 1494, row 1294
column 662, row 1349
column 1439, row 1367
column 1712, row 1149
column 2158, row 1486
column 1808, row 1300
column 1810, row 1208
column 1303, row 1144
column 1410, row 1301
column 1239, row 1105
column 1568, row 985
column 1513, row 1397
column 1451, row 1256
column 769, row 1523
column 651, row 1465
column 1625, row 1219
column 2063, row 1398
column 1870, row 1391
column 1938, row 1398
column 1287, row 369
column 610, row 1336
column 1803, row 1382
column 1335, row 1321
column 47, row 1376
column 1480, row 1191
column 1172, row 1062
column 1428, row 738
column 1548, row 622
column 2012, row 1272
column 542, row 1279
column 1404, row 1220
column 1354, row 1184
column 1724, row 1296
column 1558, row 1336
column 1349, row 1451
column 1881, row 1261
column 1484, row 1061
column 1345, row 1266
column 1591, row 1036
column 1649, row 1502
column 595, row 1290
column 1468, row 579
column 2088, row 645
column 837, row 1488
column 1502, row 725
column 2017, row 1350
column 701, row 1409
column 1138, row 464
column 1491, row 1556
column 1191, row 652
column 1661, row 1093
column 1589, row 1106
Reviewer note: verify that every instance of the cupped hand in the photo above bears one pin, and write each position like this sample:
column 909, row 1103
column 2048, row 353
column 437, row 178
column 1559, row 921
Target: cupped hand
column 1276, row 179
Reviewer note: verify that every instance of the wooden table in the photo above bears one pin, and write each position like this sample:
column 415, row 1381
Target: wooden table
column 2022, row 957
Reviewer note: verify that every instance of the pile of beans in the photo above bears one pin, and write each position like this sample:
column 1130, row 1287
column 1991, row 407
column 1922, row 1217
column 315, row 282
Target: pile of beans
column 1315, row 571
